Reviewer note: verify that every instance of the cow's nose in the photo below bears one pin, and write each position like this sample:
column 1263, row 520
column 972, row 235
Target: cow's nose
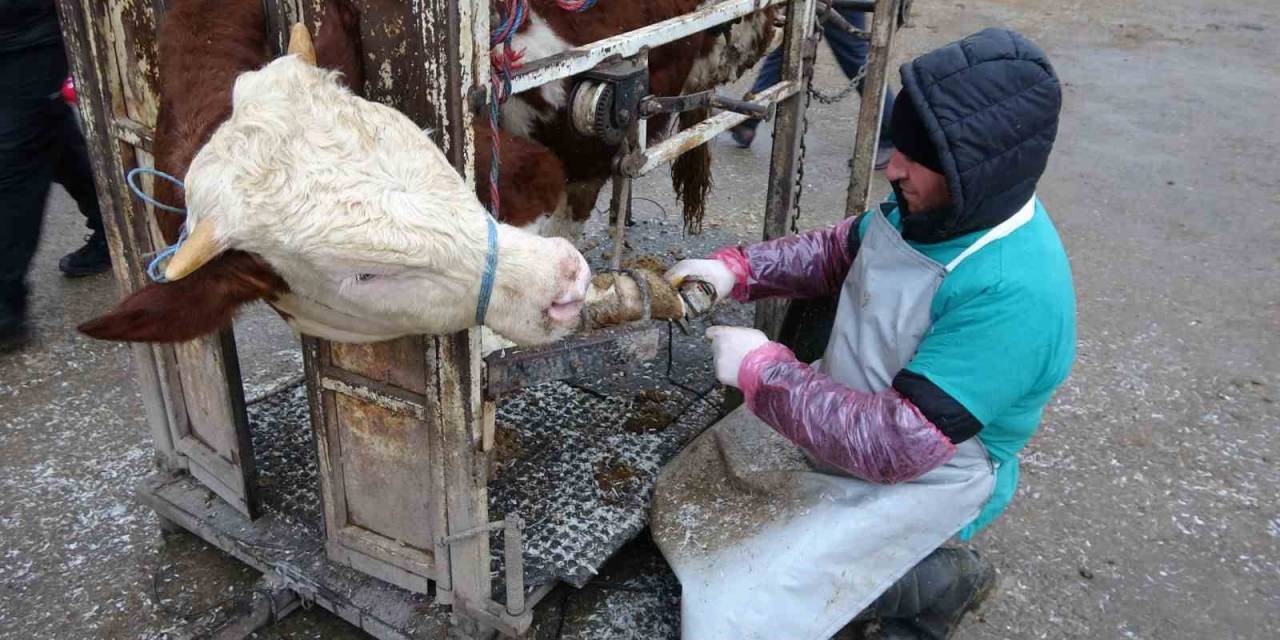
column 576, row 291
column 583, row 283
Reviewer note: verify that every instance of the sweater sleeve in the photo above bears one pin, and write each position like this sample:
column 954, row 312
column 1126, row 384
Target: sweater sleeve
column 878, row 437
column 807, row 265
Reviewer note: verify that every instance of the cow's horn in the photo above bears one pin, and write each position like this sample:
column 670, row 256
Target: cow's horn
column 199, row 248
column 300, row 44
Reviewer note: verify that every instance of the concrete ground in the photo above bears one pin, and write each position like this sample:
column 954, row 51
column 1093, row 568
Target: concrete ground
column 1148, row 501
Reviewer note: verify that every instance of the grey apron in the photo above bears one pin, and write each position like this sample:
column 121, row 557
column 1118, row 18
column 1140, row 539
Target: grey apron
column 767, row 546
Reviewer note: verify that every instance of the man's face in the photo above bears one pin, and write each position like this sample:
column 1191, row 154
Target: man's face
column 924, row 188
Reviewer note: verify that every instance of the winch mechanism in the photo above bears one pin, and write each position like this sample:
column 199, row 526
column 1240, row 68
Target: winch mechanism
column 606, row 99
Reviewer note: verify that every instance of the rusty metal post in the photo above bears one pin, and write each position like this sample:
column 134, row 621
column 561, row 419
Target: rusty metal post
column 620, row 203
column 513, row 552
column 454, row 367
column 788, row 135
column 883, row 28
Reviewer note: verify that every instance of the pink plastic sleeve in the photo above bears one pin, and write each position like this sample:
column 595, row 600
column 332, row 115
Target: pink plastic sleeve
column 878, row 437
column 807, row 265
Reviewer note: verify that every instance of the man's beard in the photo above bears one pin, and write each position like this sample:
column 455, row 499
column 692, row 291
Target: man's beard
column 922, row 226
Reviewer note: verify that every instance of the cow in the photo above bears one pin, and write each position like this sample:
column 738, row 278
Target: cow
column 206, row 45
column 339, row 213
column 696, row 63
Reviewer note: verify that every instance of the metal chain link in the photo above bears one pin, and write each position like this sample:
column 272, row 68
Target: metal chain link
column 832, row 98
column 823, row 98
column 804, row 132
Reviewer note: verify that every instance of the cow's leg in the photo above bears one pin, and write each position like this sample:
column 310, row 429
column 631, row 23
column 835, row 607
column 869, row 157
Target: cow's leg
column 580, row 202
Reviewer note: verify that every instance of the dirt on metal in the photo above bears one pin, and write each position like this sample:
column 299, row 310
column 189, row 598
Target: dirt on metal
column 649, row 412
column 614, row 479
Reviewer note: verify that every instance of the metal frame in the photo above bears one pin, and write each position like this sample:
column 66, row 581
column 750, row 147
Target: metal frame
column 889, row 15
column 439, row 385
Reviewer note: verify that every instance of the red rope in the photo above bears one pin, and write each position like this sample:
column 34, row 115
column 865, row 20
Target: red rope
column 503, row 61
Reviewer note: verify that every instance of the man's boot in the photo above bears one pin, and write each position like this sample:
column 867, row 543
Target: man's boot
column 931, row 599
column 88, row 260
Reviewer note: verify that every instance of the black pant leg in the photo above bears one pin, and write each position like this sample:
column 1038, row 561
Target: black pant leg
column 74, row 171
column 29, row 150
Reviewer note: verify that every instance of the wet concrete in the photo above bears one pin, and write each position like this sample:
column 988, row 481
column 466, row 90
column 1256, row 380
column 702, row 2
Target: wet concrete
column 1148, row 501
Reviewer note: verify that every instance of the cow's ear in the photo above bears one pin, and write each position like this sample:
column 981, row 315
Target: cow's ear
column 196, row 305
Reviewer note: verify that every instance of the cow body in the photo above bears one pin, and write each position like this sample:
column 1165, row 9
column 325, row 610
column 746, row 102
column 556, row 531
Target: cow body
column 407, row 257
column 696, row 63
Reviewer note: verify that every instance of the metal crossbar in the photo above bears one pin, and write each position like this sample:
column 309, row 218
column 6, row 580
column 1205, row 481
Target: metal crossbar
column 573, row 61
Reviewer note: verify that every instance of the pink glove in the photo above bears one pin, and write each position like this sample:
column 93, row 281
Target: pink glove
column 878, row 437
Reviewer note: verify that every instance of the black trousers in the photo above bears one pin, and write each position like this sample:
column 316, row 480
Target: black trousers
column 40, row 143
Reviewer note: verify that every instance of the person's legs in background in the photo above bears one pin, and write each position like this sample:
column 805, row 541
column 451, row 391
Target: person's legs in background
column 28, row 155
column 75, row 173
column 851, row 54
column 770, row 72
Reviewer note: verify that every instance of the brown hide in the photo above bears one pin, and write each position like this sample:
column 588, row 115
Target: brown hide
column 338, row 44
column 204, row 45
column 587, row 160
column 530, row 177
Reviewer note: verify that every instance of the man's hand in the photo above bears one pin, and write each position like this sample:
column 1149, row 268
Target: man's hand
column 713, row 272
column 730, row 346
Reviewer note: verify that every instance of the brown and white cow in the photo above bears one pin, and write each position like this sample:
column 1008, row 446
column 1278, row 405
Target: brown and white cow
column 205, row 45
column 338, row 212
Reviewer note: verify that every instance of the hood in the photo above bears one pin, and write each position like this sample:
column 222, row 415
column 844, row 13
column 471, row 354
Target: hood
column 990, row 104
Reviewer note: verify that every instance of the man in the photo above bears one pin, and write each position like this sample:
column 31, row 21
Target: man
column 955, row 325
column 850, row 53
column 40, row 143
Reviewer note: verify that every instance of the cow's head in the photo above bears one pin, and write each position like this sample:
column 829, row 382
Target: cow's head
column 364, row 225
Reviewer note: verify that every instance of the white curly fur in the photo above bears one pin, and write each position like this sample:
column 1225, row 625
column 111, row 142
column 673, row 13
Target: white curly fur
column 326, row 186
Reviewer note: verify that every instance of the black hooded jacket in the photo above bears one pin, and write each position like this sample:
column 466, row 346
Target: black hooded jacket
column 25, row 24
column 990, row 104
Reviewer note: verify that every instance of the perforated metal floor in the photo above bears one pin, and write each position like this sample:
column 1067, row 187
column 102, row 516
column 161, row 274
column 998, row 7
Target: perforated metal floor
column 578, row 466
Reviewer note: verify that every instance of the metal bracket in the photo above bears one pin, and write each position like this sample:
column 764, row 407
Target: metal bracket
column 292, row 578
column 828, row 14
column 594, row 354
column 605, row 100
column 513, row 554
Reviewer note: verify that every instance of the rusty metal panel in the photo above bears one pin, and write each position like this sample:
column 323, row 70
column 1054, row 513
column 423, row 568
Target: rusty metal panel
column 383, row 464
column 92, row 82
column 132, row 28
column 376, row 408
column 401, row 363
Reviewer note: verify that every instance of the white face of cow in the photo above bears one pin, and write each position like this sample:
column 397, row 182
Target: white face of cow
column 365, row 219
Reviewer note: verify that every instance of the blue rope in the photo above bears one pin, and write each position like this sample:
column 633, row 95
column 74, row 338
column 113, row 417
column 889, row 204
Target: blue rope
column 490, row 270
column 153, row 268
column 137, row 191
column 510, row 23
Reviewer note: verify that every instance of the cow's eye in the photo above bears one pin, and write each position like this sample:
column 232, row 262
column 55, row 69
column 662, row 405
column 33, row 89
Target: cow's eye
column 365, row 277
